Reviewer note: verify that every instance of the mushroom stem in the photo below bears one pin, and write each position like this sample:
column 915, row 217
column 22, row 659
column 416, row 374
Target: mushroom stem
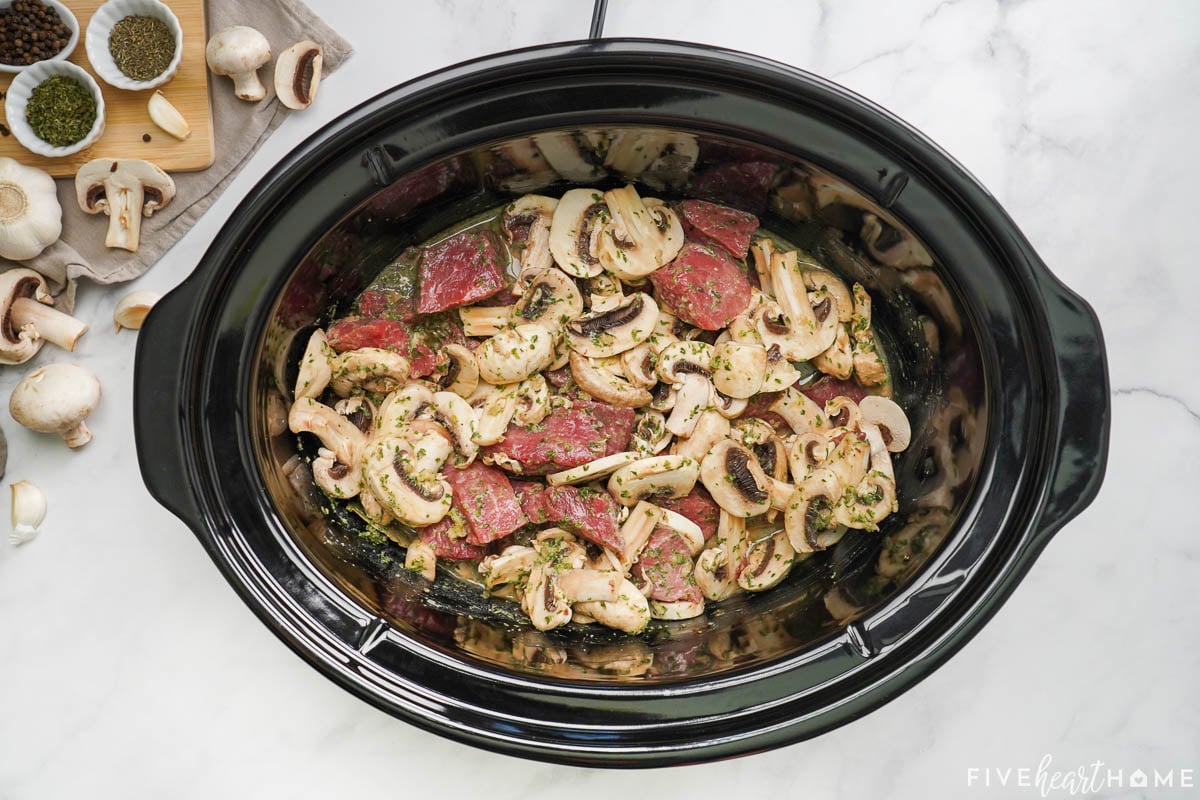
column 247, row 86
column 125, row 217
column 50, row 323
column 77, row 436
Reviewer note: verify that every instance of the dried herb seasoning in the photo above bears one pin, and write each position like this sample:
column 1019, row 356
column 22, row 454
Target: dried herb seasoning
column 61, row 110
column 31, row 31
column 142, row 46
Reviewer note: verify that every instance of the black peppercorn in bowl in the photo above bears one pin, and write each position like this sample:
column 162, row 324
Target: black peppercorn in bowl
column 56, row 29
column 999, row 366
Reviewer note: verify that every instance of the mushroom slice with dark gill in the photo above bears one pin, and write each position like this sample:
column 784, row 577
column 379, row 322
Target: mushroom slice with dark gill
column 609, row 333
column 298, row 74
column 403, row 473
column 456, row 370
column 768, row 562
column 809, row 518
column 575, row 230
column 657, row 476
column 735, row 480
column 551, row 299
column 639, row 238
column 526, row 226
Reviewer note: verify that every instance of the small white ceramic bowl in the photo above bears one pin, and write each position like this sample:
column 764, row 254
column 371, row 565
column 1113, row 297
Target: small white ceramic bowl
column 18, row 97
column 68, row 18
column 101, row 26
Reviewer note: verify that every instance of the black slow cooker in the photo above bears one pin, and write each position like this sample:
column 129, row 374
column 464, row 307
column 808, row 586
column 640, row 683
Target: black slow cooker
column 1000, row 367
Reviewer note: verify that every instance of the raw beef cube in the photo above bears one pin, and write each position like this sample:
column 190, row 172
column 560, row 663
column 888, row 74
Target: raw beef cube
column 699, row 507
column 703, row 286
column 467, row 267
column 665, row 567
column 587, row 513
column 486, row 500
column 828, row 388
column 455, row 548
column 709, row 223
column 567, row 437
column 532, row 497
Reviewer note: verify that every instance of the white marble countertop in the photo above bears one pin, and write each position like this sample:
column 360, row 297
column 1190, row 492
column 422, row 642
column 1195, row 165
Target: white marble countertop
column 128, row 668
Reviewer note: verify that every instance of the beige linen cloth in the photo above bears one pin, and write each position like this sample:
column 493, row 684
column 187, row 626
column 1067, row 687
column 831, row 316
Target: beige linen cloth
column 240, row 128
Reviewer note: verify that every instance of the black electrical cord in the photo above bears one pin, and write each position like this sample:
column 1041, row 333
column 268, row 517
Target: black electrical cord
column 599, row 9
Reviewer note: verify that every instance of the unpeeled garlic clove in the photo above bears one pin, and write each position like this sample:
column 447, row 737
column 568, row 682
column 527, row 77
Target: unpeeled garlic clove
column 167, row 116
column 132, row 309
column 28, row 511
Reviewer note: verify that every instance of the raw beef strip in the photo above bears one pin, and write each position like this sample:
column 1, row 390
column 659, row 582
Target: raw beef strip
column 417, row 341
column 709, row 223
column 665, row 566
column 467, row 267
column 532, row 497
column 446, row 546
column 827, row 388
column 486, row 500
column 703, row 286
column 699, row 507
column 567, row 437
column 585, row 512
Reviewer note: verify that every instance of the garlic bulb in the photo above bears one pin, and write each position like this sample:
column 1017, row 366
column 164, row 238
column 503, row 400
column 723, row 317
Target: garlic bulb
column 28, row 511
column 30, row 216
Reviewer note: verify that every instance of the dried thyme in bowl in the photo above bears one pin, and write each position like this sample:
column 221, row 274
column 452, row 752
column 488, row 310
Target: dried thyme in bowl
column 61, row 111
column 142, row 47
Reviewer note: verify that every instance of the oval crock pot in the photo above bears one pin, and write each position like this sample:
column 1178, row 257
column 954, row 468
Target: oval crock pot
column 1000, row 367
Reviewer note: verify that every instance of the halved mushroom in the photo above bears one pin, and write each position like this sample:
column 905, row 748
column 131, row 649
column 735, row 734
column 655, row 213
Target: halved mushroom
column 639, row 238
column 512, row 356
column 126, row 189
column 27, row 319
column 809, row 518
column 494, row 409
column 657, row 476
column 552, row 299
column 316, row 366
column 650, row 434
column 403, row 472
column 629, row 612
column 399, row 407
column 526, row 226
column 738, row 369
column 717, row 567
column 605, row 292
column 612, row 332
column 691, row 401
column 866, row 503
column 603, row 385
column 512, row 565
column 575, row 232
column 892, row 246
column 639, row 365
column 735, row 480
column 711, row 427
column 458, row 419
column 889, row 418
column 811, row 321
column 337, row 468
column 457, row 370
column 800, row 412
column 420, row 557
column 298, row 74
column 371, row 368
column 592, row 470
column 768, row 562
column 484, row 320
column 838, row 359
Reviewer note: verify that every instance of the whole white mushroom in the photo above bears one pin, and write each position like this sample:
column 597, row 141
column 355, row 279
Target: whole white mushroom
column 57, row 398
column 238, row 52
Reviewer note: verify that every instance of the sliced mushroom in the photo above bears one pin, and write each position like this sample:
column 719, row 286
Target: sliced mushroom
column 867, row 362
column 650, row 434
column 575, row 231
column 717, row 567
column 337, row 468
column 512, row 356
column 780, row 374
column 360, row 411
column 533, row 400
column 662, row 397
column 866, row 503
column 421, row 558
column 399, row 407
column 590, row 585
column 456, row 370
column 629, row 613
column 494, row 409
column 735, row 480
column 639, row 365
column 639, row 238
column 809, row 518
column 543, row 601
column 570, row 155
column 593, row 470
column 371, row 368
column 889, row 418
column 767, row 563
column 484, row 320
column 635, row 531
column 849, row 460
column 604, row 292
column 609, row 333
column 27, row 319
column 800, row 412
column 458, row 419
column 316, row 366
column 812, row 319
column 682, row 358
column 298, row 74
column 603, row 385
column 403, row 472
column 676, row 609
column 820, row 279
column 738, row 369
column 552, row 299
column 526, row 226
column 510, row 566
column 807, row 452
column 711, row 427
column 838, row 360
column 690, row 531
column 843, row 414
column 726, row 406
column 692, row 400
column 126, row 189
column 891, row 246
column 761, row 251
column 657, row 476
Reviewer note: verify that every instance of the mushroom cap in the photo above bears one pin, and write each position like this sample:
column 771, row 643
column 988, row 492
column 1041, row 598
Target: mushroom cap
column 55, row 397
column 237, row 49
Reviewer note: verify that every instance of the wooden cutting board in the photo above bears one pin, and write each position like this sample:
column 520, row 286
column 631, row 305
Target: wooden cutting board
column 127, row 119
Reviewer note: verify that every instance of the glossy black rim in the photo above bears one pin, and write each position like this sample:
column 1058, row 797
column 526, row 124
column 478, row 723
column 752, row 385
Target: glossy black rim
column 1048, row 458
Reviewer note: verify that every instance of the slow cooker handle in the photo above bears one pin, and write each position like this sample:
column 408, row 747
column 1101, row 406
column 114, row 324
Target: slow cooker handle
column 159, row 406
column 1084, row 410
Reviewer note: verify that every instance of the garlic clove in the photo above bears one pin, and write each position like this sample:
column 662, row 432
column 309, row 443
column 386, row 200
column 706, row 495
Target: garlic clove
column 167, row 116
column 28, row 511
column 132, row 309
